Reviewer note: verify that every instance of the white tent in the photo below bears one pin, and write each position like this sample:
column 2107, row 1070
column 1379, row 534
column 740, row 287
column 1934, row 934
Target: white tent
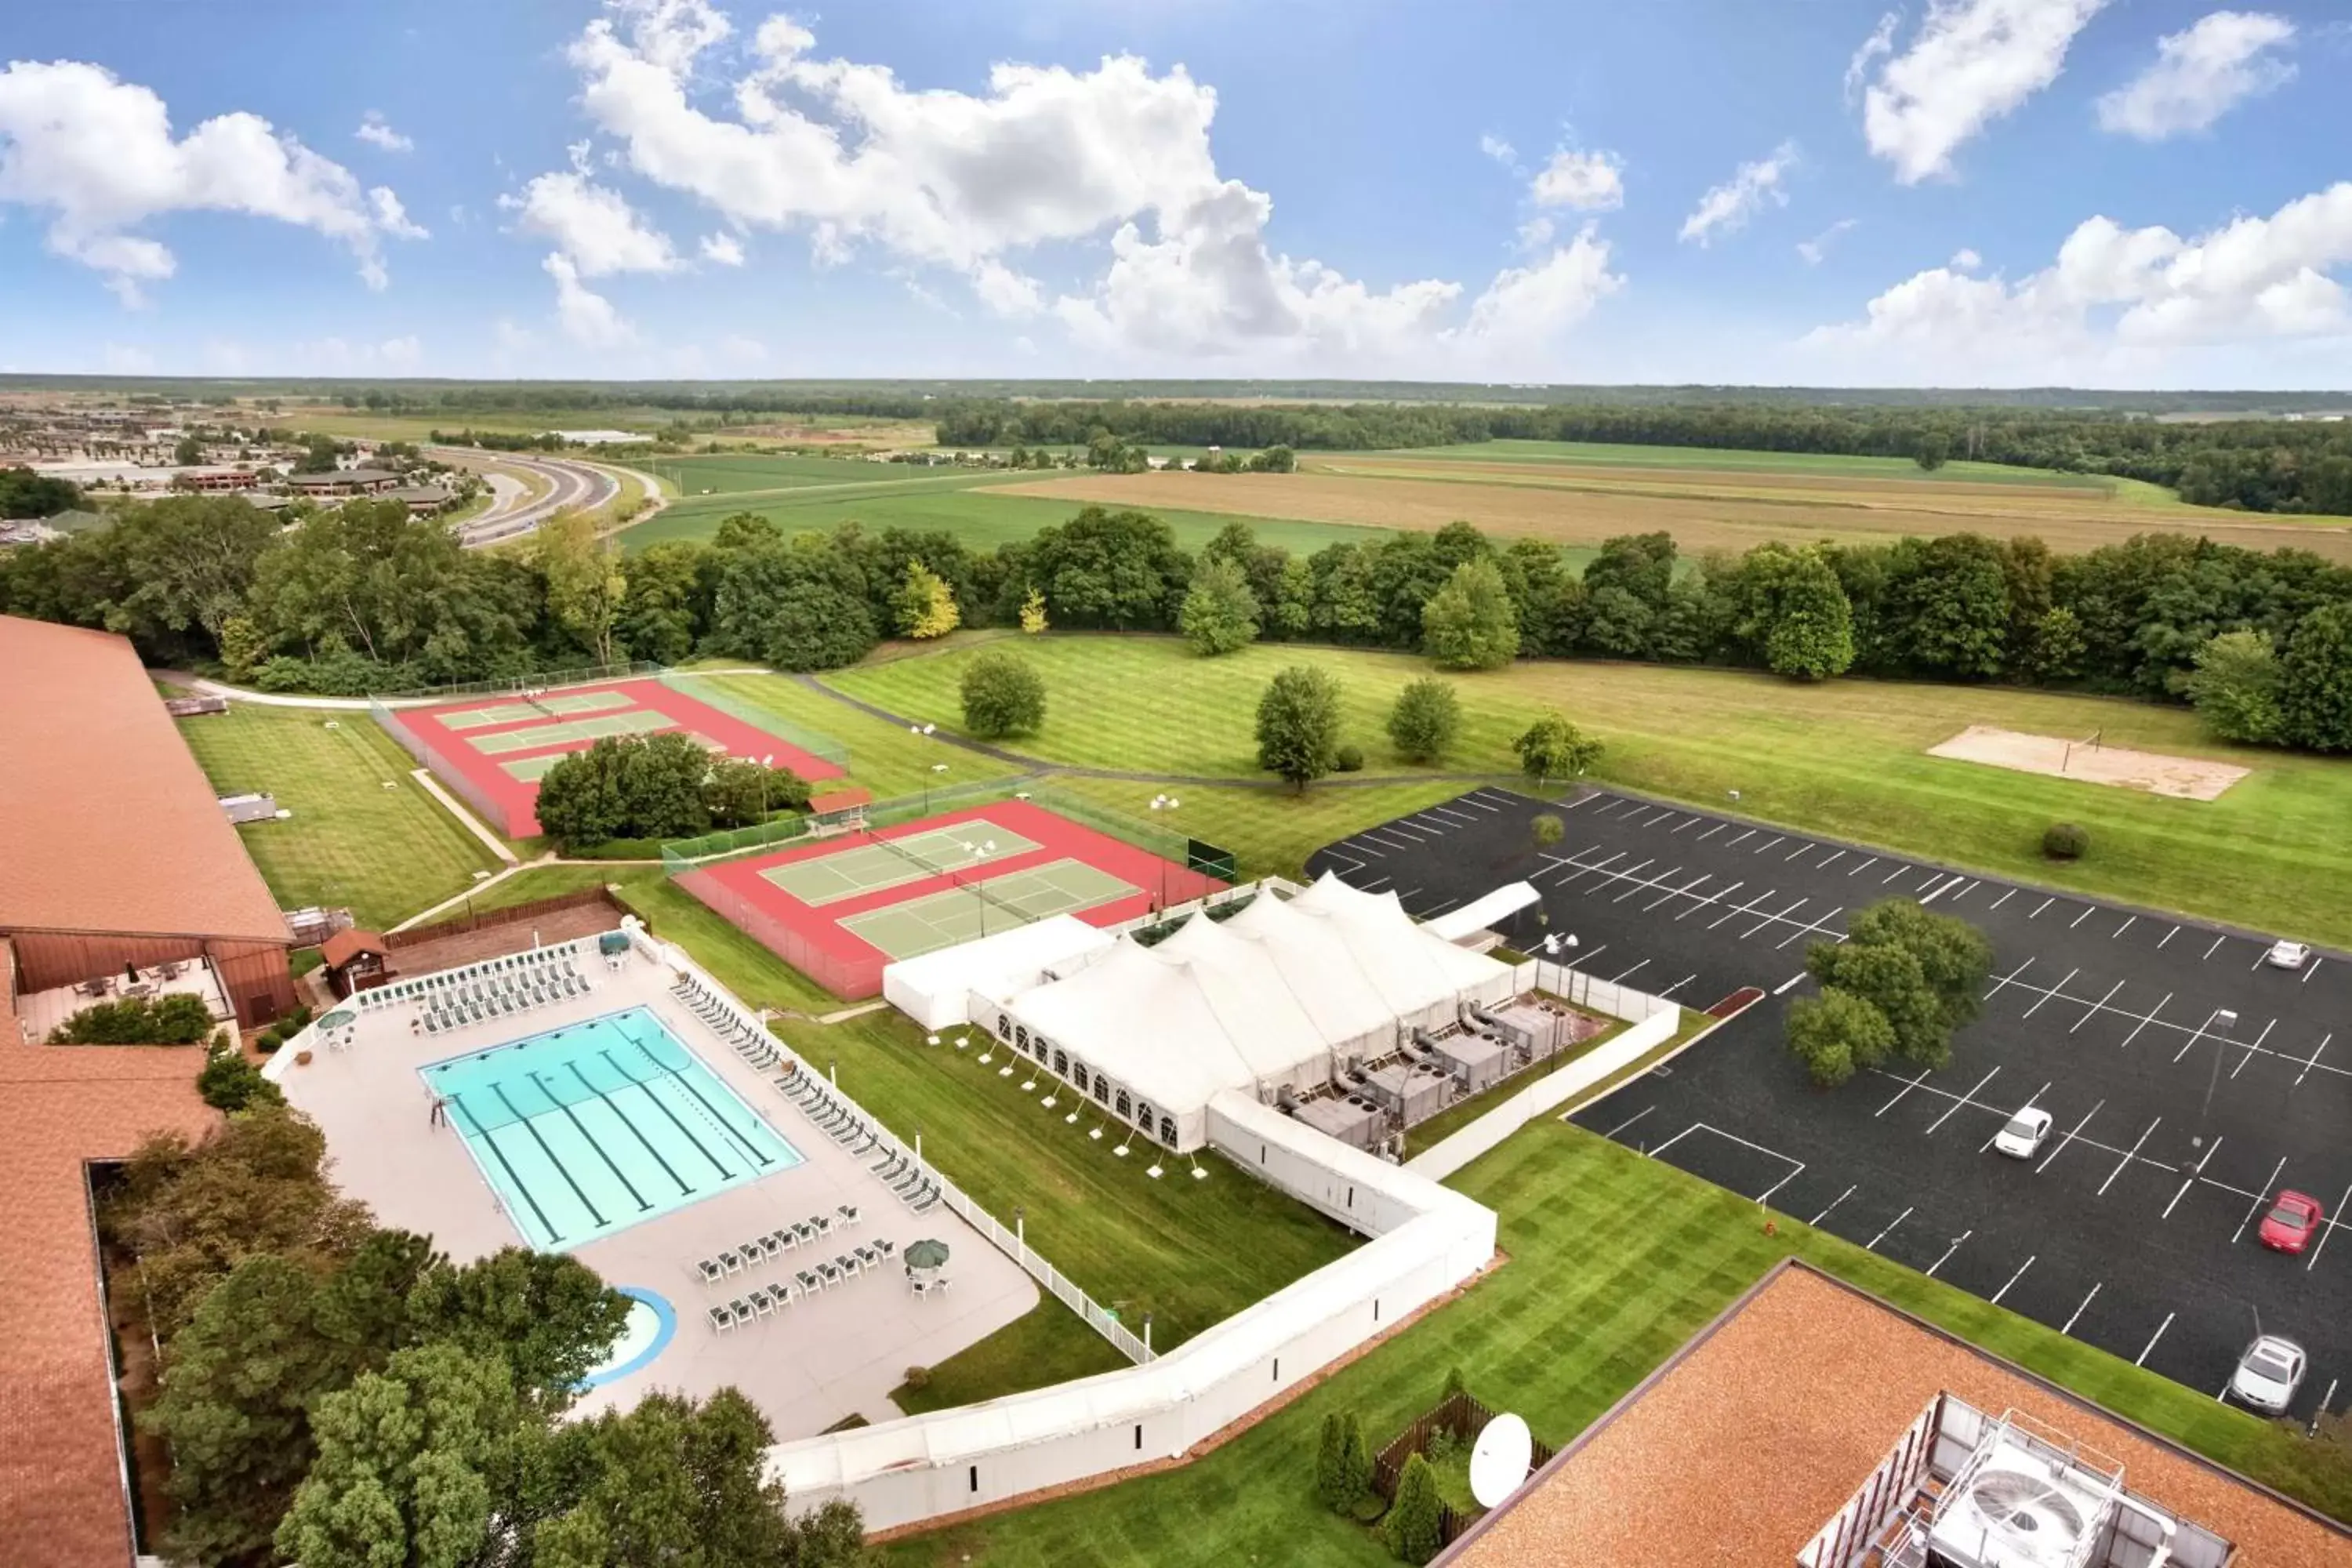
column 935, row 989
column 1277, row 998
column 1479, row 914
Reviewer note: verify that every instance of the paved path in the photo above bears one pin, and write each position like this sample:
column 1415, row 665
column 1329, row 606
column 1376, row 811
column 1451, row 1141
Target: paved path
column 204, row 688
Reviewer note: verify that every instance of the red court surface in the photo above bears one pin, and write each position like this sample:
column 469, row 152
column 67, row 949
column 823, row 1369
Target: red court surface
column 477, row 775
column 812, row 940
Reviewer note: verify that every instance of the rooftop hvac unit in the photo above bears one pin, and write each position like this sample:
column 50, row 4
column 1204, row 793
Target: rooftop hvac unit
column 2023, row 1502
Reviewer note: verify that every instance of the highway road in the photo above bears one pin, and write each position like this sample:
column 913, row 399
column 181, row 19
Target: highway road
column 570, row 486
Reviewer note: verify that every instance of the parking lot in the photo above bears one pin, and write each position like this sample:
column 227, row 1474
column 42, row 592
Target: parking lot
column 2132, row 1229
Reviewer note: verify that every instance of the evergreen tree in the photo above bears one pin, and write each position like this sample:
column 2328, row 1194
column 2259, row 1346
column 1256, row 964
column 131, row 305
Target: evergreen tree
column 1415, row 1524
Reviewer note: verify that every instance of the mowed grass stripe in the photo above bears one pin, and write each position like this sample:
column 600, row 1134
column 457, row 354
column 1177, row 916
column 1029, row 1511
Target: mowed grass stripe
column 1845, row 759
column 385, row 853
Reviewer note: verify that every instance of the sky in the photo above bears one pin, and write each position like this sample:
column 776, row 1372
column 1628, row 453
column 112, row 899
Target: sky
column 1957, row 193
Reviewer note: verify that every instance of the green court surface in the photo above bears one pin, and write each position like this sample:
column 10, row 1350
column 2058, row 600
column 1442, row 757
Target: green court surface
column 516, row 713
column 880, row 863
column 962, row 914
column 636, row 722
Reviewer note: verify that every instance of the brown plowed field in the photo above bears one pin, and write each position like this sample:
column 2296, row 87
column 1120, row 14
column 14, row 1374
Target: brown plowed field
column 1702, row 511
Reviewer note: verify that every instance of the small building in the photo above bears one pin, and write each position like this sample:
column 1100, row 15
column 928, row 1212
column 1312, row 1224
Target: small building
column 342, row 482
column 422, row 499
column 245, row 809
column 356, row 960
column 596, row 438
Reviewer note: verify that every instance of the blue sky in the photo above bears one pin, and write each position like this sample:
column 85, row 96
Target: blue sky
column 1957, row 192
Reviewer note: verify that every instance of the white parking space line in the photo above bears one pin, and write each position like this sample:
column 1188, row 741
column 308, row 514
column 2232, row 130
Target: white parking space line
column 1948, row 1251
column 2013, row 1278
column 1769, row 920
column 2088, row 911
column 2004, row 897
column 2260, row 1198
column 1798, row 852
column 2128, row 1159
column 2081, row 1310
column 2072, row 1133
column 2195, row 1035
column 1941, row 890
column 1898, row 1219
column 1458, row 817
column 1967, row 1098
column 1931, row 876
column 2216, row 947
column 1694, row 822
column 1637, row 886
column 2313, row 1061
column 2252, row 1049
column 2007, row 978
column 2052, row 992
column 1830, row 861
column 1866, row 865
column 1790, row 984
column 2141, row 1360
column 1812, row 926
column 1744, row 909
column 1629, row 1121
column 1674, row 893
column 2040, row 907
column 1741, row 840
column 1588, row 956
column 2326, row 1229
column 1472, row 799
column 1679, row 985
column 2122, row 928
column 2176, row 1197
column 1892, row 875
column 1906, row 1089
column 1713, row 831
column 2147, row 1020
column 1776, row 838
column 1710, row 900
column 1367, row 848
column 2093, row 1011
column 2208, row 1154
column 2312, row 970
column 1615, row 978
column 1841, row 1197
column 2168, row 937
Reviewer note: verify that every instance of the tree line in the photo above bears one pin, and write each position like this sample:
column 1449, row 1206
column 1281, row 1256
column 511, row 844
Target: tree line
column 2256, row 465
column 362, row 598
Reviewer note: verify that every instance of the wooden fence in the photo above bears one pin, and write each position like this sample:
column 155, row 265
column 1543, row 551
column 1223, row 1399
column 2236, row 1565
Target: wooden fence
column 507, row 915
column 1459, row 1416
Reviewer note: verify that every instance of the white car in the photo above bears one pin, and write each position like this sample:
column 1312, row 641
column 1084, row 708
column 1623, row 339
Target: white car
column 2268, row 1374
column 2287, row 955
column 2022, row 1137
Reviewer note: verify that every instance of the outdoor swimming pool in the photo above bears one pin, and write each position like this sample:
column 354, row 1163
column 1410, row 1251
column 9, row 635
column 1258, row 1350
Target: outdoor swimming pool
column 597, row 1126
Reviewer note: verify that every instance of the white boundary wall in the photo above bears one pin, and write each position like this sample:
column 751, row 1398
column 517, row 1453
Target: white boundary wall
column 1426, row 1240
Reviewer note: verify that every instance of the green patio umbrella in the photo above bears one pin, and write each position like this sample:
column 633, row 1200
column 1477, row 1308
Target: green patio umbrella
column 927, row 1253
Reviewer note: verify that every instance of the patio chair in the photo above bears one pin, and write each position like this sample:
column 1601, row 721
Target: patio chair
column 764, row 1302
column 848, row 1213
column 782, row 1240
column 741, row 1306
column 807, row 1280
column 721, row 1319
column 732, row 1261
column 804, row 1230
column 830, row 1272
column 824, row 1224
column 756, row 1251
column 867, row 1258
column 850, row 1265
column 886, row 1247
column 710, row 1270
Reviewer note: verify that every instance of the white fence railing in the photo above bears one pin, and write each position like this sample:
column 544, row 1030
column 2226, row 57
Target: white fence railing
column 1584, row 991
column 1546, row 1095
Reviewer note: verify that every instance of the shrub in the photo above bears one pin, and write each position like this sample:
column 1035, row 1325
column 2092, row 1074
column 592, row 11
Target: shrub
column 228, row 1082
column 1546, row 830
column 1454, row 1381
column 1355, row 1461
column 1003, row 696
column 918, row 1378
column 1426, row 718
column 1298, row 724
column 1414, row 1524
column 1348, row 759
column 1331, row 1471
column 268, row 1040
column 178, row 1019
column 2065, row 841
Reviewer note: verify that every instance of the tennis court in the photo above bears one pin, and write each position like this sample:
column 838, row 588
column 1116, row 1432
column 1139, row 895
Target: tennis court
column 592, row 1127
column 976, row 910
column 880, row 863
column 841, row 908
column 494, row 751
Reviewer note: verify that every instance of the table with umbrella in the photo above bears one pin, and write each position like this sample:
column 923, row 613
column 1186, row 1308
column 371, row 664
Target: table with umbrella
column 925, row 1259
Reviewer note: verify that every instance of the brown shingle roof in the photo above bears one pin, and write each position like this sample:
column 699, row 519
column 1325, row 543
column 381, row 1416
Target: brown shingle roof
column 1742, row 1447
column 107, row 824
column 61, row 1503
column 345, row 945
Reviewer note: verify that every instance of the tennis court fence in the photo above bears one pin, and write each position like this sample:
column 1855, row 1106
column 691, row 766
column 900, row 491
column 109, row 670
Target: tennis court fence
column 444, row 768
column 703, row 690
column 539, row 681
column 853, row 978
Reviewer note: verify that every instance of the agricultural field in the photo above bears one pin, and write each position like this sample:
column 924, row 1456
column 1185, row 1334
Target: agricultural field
column 363, row 834
column 1706, row 498
column 1846, row 758
column 1615, row 1261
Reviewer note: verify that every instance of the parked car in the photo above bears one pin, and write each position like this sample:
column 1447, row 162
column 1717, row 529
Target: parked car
column 2268, row 1374
column 2292, row 1222
column 2022, row 1137
column 2287, row 955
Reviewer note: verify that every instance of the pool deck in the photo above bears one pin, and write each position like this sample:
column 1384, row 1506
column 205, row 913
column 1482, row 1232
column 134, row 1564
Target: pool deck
column 809, row 1366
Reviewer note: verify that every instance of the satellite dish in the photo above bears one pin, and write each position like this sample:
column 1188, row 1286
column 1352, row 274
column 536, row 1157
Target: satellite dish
column 1499, row 1460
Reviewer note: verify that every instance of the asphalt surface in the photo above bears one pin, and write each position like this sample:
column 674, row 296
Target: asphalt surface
column 2132, row 1229
column 572, row 486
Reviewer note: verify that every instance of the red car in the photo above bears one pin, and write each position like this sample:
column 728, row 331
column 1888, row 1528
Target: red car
column 2293, row 1221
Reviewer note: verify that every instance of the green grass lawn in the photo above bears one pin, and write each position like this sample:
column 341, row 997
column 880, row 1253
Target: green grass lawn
column 1045, row 1346
column 1824, row 465
column 1846, row 758
column 883, row 757
column 1615, row 1260
column 1271, row 832
column 385, row 853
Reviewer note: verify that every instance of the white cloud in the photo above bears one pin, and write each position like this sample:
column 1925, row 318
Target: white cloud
column 2126, row 296
column 1875, row 48
column 1965, row 260
column 1971, row 62
column 595, row 227
column 972, row 183
column 743, row 350
column 1727, row 208
column 400, row 353
column 724, row 249
column 1536, row 234
column 1587, row 181
column 2201, row 74
column 376, row 134
column 1528, row 306
column 1500, row 150
column 1814, row 249
column 586, row 316
column 97, row 152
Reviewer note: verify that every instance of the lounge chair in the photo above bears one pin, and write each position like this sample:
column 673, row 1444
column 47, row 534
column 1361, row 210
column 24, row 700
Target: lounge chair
column 721, row 1319
column 927, row 1202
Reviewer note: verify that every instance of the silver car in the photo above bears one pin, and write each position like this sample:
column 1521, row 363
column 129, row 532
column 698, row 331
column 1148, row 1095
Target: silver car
column 2268, row 1374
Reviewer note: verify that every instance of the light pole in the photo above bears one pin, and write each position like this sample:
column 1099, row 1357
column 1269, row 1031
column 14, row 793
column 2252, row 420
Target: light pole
column 766, row 762
column 1167, row 803
column 2223, row 1018
column 936, row 768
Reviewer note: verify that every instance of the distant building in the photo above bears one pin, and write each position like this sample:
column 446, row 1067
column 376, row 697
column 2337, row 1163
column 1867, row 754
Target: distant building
column 422, row 499
column 596, row 438
column 342, row 482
